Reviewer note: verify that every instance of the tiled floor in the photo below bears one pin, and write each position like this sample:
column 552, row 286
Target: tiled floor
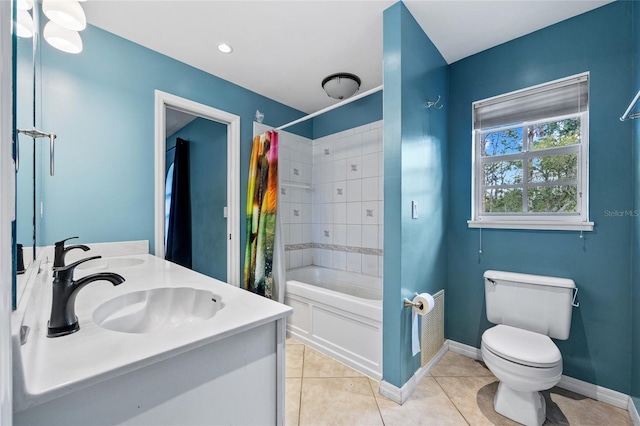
column 458, row 391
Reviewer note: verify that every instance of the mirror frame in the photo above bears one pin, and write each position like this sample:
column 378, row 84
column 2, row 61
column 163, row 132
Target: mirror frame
column 165, row 100
column 7, row 208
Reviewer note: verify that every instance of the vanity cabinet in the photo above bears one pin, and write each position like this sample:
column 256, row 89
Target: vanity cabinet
column 227, row 369
column 233, row 381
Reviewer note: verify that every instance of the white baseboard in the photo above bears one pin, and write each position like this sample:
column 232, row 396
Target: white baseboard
column 615, row 398
column 466, row 350
column 599, row 393
column 633, row 413
column 400, row 395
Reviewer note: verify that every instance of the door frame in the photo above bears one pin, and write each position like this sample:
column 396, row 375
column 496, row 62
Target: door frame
column 165, row 100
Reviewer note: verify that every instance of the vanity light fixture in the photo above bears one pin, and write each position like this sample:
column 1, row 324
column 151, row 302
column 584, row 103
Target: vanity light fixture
column 66, row 19
column 62, row 38
column 341, row 85
column 24, row 24
column 66, row 13
column 225, row 48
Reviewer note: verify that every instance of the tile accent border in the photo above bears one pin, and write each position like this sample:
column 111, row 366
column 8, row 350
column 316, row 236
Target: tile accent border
column 334, row 247
column 290, row 247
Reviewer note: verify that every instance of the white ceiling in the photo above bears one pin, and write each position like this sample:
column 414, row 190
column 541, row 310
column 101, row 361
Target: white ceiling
column 176, row 120
column 283, row 49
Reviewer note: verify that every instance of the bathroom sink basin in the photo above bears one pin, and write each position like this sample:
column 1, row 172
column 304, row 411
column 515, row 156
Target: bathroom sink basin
column 111, row 263
column 157, row 310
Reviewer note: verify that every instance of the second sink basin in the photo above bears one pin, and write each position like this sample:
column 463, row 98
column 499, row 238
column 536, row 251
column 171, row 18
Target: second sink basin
column 156, row 310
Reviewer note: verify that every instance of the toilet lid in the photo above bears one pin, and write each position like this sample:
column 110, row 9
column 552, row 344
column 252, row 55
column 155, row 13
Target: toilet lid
column 522, row 346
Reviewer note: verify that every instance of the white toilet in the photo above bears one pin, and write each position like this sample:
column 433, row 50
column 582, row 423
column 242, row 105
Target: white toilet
column 528, row 310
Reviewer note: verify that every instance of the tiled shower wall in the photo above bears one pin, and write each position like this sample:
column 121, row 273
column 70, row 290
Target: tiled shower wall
column 295, row 169
column 332, row 200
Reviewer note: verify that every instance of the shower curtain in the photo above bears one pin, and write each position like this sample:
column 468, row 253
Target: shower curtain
column 178, row 249
column 262, row 201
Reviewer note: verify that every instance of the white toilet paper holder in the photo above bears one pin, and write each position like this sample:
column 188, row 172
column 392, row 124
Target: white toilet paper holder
column 411, row 303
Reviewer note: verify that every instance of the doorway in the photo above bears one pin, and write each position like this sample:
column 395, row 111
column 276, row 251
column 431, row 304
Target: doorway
column 226, row 126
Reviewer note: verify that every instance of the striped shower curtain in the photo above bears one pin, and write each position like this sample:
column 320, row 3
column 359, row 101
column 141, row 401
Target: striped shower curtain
column 262, row 200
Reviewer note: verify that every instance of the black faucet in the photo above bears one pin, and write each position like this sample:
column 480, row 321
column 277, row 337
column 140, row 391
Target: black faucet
column 61, row 251
column 63, row 318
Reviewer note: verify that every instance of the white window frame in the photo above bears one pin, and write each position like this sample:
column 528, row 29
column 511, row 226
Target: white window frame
column 578, row 221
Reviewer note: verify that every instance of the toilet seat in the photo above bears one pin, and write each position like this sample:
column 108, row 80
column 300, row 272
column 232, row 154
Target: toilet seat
column 523, row 347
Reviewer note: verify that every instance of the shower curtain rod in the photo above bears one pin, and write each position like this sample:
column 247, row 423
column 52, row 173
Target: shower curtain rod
column 334, row 106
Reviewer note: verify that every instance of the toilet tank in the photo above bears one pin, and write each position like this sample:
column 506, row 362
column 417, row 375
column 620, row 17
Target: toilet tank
column 531, row 302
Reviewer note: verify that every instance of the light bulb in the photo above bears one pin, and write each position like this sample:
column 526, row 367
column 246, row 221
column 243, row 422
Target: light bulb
column 61, row 38
column 24, row 24
column 24, row 4
column 66, row 13
column 225, row 48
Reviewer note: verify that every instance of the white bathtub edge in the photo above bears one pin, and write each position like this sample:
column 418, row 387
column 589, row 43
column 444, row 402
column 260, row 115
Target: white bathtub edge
column 343, row 326
column 370, row 309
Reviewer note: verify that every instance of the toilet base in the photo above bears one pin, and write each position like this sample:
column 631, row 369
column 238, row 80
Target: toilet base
column 528, row 408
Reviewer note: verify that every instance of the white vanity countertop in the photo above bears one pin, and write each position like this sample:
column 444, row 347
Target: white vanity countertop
column 52, row 367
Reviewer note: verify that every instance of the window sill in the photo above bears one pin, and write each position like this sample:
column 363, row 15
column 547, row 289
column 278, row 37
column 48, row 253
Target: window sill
column 531, row 224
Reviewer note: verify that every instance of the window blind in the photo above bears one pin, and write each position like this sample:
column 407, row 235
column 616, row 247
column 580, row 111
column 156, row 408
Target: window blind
column 562, row 97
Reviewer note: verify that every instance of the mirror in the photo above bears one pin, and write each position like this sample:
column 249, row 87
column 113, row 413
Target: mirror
column 208, row 132
column 28, row 170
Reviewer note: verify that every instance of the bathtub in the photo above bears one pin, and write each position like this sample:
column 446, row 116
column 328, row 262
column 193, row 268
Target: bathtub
column 338, row 313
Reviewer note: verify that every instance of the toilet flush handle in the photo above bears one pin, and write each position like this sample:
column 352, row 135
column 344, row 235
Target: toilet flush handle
column 575, row 295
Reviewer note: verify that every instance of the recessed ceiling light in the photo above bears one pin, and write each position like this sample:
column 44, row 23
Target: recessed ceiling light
column 225, row 48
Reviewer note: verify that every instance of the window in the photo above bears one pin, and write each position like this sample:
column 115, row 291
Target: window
column 530, row 164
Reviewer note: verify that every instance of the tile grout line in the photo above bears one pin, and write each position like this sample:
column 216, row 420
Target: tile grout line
column 450, row 400
column 304, row 350
column 376, row 400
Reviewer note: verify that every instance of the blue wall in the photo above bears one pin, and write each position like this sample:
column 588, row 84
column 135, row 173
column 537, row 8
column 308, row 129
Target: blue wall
column 208, row 183
column 415, row 153
column 598, row 350
column 101, row 105
column 360, row 112
column 635, row 377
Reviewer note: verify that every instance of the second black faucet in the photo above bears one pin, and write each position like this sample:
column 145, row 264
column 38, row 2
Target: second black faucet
column 61, row 251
